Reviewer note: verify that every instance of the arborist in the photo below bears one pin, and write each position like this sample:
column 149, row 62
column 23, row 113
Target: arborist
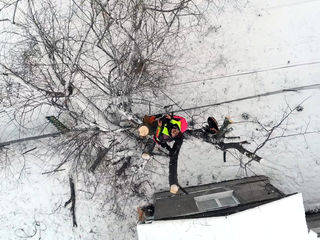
column 167, row 129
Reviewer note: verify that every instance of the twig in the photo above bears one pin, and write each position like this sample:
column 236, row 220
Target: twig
column 224, row 156
column 14, row 13
column 73, row 201
column 53, row 171
column 29, row 150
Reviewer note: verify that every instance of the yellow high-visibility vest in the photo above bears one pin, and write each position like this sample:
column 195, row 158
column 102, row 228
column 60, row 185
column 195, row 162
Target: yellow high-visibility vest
column 165, row 130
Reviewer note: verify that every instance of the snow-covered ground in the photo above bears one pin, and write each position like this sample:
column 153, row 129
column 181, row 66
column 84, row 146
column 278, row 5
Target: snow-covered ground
column 246, row 48
column 260, row 47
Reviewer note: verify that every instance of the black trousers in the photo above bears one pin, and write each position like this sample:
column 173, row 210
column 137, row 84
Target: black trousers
column 173, row 154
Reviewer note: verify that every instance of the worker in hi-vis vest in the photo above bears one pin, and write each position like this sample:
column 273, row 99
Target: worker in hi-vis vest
column 171, row 128
column 165, row 128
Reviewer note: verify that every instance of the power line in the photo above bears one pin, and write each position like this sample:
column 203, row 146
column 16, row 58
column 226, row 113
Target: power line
column 181, row 109
column 55, row 134
column 2, row 144
column 247, row 73
column 292, row 4
column 313, row 86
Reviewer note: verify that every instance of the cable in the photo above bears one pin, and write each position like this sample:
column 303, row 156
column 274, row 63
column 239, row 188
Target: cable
column 313, row 86
column 248, row 73
column 292, row 4
column 181, row 109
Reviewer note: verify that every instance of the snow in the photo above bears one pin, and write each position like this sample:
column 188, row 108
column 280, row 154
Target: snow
column 246, row 48
column 281, row 219
column 264, row 46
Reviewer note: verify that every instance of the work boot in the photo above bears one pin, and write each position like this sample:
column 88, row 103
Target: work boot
column 213, row 125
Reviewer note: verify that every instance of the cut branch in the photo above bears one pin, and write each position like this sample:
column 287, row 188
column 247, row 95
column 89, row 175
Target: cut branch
column 101, row 154
column 238, row 146
column 72, row 200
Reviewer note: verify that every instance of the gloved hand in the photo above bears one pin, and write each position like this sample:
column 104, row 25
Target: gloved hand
column 174, row 188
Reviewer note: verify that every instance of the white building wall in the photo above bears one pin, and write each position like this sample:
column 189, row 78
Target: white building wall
column 283, row 219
